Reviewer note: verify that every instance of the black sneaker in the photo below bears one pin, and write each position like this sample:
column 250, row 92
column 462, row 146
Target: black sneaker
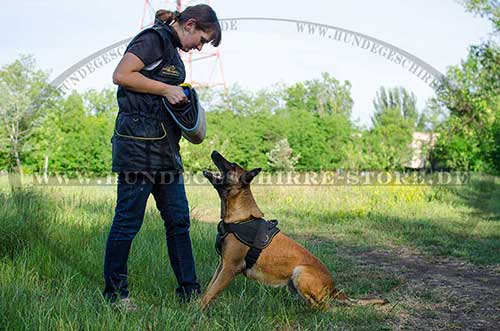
column 188, row 296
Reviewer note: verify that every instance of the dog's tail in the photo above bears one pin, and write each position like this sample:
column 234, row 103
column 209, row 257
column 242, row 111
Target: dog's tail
column 340, row 296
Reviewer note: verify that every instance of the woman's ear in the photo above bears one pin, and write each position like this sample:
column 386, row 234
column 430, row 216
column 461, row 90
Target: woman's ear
column 190, row 25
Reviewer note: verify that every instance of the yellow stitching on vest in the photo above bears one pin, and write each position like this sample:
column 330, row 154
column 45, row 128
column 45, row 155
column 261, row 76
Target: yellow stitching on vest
column 144, row 138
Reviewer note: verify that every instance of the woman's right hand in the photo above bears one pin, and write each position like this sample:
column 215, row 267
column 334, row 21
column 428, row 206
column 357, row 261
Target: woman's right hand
column 127, row 74
column 175, row 95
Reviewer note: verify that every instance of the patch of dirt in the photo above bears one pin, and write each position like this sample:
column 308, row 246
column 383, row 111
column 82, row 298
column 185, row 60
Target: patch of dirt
column 437, row 293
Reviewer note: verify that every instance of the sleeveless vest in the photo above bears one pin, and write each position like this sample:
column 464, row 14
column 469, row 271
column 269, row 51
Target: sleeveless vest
column 145, row 136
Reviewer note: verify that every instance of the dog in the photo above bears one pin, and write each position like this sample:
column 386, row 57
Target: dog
column 281, row 262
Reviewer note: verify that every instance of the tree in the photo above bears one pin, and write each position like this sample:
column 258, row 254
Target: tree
column 396, row 99
column 280, row 157
column 25, row 96
column 432, row 116
column 316, row 122
column 469, row 138
column 241, row 101
column 83, row 138
column 388, row 143
column 325, row 96
column 101, row 102
column 485, row 8
column 471, row 92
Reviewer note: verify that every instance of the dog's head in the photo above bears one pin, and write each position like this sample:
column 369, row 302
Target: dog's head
column 232, row 177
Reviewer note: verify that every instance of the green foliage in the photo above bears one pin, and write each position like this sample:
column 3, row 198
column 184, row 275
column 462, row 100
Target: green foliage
column 305, row 127
column 471, row 92
column 312, row 116
column 241, row 101
column 469, row 139
column 459, row 149
column 485, row 8
column 246, row 140
column 76, row 138
column 272, row 127
column 325, row 96
column 280, row 157
column 100, row 102
column 386, row 145
column 25, row 99
column 316, row 122
column 394, row 100
column 432, row 116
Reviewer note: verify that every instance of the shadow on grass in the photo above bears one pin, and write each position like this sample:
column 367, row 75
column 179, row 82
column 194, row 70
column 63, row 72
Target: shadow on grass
column 450, row 238
column 30, row 224
column 67, row 260
column 483, row 195
column 35, row 227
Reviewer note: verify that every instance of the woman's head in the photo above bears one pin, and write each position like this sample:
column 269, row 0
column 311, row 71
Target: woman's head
column 196, row 26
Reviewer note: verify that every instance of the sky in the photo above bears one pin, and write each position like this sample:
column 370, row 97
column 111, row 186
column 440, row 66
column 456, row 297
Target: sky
column 258, row 55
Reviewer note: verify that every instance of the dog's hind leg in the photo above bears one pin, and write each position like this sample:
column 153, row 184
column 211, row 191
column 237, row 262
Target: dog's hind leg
column 291, row 288
column 312, row 285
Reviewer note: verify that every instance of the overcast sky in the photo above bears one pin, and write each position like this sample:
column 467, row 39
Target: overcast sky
column 257, row 54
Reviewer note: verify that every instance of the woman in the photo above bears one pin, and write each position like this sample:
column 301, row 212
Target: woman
column 146, row 145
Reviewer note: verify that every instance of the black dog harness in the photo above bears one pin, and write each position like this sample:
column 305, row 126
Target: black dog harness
column 256, row 233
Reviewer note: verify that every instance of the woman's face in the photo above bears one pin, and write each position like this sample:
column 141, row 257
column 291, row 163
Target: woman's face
column 193, row 38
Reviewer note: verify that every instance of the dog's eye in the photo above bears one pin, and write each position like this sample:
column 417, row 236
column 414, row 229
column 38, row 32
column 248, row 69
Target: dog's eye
column 233, row 165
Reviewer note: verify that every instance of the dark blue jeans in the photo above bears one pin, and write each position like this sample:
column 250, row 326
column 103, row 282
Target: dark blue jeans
column 170, row 196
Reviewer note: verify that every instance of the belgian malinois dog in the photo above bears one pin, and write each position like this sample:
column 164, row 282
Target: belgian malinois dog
column 282, row 262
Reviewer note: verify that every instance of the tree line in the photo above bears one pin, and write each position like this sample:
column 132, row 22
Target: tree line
column 306, row 126
column 303, row 127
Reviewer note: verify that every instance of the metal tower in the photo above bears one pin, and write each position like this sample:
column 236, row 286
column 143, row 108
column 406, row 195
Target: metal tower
column 192, row 59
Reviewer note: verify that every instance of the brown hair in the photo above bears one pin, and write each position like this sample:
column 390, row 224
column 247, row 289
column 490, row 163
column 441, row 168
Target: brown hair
column 204, row 15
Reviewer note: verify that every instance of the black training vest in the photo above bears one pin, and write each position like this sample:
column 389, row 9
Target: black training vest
column 145, row 136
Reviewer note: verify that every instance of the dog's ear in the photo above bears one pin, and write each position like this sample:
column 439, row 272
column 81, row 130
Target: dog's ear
column 248, row 176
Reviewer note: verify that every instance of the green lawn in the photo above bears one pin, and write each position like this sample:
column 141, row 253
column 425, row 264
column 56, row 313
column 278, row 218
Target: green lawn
column 52, row 242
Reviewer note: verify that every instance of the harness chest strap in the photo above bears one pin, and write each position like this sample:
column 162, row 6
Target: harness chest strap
column 256, row 234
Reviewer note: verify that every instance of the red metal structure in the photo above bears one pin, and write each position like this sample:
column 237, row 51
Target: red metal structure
column 215, row 76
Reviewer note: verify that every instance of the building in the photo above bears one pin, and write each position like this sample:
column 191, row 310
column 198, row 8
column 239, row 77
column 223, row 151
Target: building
column 421, row 145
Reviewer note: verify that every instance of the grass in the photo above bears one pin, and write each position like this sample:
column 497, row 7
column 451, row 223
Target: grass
column 52, row 244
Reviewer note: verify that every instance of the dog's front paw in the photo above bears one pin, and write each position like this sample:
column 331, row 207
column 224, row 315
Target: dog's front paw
column 204, row 302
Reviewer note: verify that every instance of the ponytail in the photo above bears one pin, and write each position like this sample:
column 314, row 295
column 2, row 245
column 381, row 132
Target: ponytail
column 163, row 16
column 205, row 17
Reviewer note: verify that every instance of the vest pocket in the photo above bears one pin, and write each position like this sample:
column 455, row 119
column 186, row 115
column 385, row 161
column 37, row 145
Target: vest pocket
column 135, row 126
